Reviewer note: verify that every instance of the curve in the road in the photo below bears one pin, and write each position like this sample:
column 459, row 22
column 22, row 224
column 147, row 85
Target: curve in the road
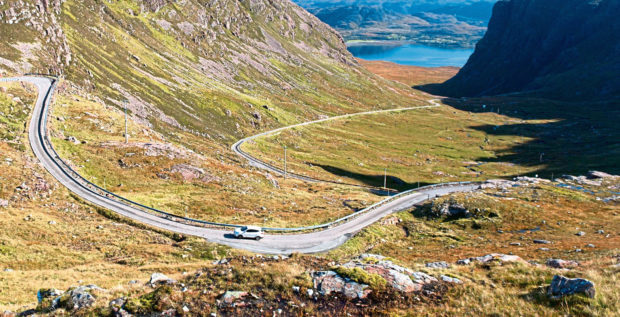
column 269, row 167
column 311, row 242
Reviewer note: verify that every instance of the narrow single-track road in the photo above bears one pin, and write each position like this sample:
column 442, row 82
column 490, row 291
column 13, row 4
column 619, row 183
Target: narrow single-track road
column 311, row 242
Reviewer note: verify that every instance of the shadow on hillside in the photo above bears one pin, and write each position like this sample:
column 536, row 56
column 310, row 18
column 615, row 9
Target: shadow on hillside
column 581, row 136
column 393, row 183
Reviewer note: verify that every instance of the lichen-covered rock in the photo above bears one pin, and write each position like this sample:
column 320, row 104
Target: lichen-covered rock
column 562, row 286
column 79, row 297
column 73, row 299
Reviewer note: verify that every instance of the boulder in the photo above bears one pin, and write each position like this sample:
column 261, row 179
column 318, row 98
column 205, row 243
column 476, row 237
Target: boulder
column 561, row 264
column 327, row 282
column 562, row 286
column 438, row 265
column 230, row 297
column 539, row 241
column 451, row 280
column 72, row 139
column 72, row 300
column 498, row 257
column 159, row 278
column 80, row 297
column 453, row 210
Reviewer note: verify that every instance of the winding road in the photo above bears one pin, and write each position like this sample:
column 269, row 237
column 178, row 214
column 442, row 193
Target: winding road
column 311, row 242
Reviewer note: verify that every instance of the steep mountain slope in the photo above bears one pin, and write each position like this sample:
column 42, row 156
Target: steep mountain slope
column 552, row 48
column 217, row 69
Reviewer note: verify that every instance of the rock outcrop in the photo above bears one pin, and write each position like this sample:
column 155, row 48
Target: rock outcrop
column 562, row 286
column 561, row 49
column 353, row 278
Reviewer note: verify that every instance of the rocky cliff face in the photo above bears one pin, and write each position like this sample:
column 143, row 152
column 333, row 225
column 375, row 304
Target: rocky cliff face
column 562, row 49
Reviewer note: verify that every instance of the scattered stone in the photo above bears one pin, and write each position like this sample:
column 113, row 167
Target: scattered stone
column 578, row 250
column 515, row 244
column 185, row 309
column 438, row 265
column 8, row 270
column 590, row 245
column 310, row 292
column 116, row 306
column 543, row 249
column 537, row 241
column 230, row 297
column 220, row 262
column 296, row 289
column 52, row 222
column 73, row 140
column 601, row 232
column 4, row 203
column 463, row 262
column 390, row 221
column 501, row 258
column 159, row 278
column 561, row 264
column 99, row 227
column 29, row 218
column 451, row 280
column 562, row 286
column 580, row 233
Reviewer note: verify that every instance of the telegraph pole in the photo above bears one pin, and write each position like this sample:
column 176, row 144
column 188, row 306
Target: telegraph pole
column 126, row 135
column 285, row 162
column 385, row 178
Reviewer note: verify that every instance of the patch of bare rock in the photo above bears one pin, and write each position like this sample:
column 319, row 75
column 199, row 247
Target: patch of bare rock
column 189, row 173
column 397, row 277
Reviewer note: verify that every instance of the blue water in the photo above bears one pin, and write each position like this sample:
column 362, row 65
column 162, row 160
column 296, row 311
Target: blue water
column 416, row 55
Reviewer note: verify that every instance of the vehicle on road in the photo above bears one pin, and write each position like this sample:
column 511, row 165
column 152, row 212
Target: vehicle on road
column 249, row 232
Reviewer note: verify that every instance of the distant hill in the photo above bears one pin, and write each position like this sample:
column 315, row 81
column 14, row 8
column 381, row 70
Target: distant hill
column 561, row 49
column 455, row 23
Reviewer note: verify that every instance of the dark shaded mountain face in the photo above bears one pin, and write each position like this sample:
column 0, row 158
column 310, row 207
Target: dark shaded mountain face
column 560, row 49
column 452, row 23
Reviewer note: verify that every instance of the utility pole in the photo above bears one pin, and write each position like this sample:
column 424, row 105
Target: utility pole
column 385, row 178
column 285, row 162
column 126, row 135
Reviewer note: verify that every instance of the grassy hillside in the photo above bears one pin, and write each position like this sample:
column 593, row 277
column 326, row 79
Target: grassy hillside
column 217, row 70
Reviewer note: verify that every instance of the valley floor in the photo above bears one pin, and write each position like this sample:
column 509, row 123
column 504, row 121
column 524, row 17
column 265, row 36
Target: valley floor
column 54, row 240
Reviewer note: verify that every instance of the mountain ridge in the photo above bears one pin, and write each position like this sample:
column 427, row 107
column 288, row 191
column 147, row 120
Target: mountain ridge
column 553, row 49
